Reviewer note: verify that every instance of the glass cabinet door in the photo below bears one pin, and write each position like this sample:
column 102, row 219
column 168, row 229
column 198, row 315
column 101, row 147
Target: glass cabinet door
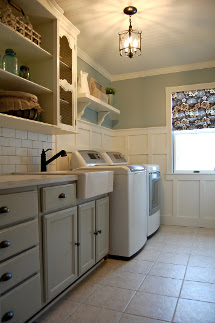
column 67, row 82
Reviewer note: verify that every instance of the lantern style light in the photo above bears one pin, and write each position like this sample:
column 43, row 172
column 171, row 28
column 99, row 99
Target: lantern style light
column 130, row 40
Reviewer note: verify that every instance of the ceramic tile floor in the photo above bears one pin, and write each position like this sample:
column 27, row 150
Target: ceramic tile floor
column 171, row 280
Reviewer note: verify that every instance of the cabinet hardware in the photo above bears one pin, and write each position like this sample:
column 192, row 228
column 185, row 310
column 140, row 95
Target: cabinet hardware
column 5, row 244
column 62, row 196
column 100, row 231
column 77, row 244
column 96, row 233
column 4, row 209
column 5, row 277
column 7, row 317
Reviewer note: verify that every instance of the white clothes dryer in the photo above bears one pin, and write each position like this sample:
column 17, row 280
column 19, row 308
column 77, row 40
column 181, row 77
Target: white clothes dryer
column 128, row 206
column 153, row 191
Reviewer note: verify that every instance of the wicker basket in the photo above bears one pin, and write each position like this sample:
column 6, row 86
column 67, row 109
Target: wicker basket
column 19, row 104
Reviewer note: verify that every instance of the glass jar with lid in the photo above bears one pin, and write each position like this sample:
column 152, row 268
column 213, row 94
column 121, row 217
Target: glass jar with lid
column 10, row 62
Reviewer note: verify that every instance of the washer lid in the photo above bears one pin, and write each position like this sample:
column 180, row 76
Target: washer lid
column 152, row 168
column 136, row 168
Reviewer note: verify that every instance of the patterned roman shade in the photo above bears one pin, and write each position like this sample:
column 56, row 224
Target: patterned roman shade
column 193, row 109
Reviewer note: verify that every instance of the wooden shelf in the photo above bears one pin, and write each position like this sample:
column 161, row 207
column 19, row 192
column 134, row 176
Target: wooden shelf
column 65, row 65
column 12, row 82
column 8, row 121
column 64, row 102
column 22, row 46
column 88, row 101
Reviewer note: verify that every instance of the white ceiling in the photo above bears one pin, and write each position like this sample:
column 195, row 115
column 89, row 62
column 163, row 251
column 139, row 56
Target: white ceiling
column 174, row 32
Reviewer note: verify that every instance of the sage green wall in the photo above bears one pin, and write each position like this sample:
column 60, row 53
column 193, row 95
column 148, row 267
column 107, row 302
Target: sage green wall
column 89, row 114
column 142, row 101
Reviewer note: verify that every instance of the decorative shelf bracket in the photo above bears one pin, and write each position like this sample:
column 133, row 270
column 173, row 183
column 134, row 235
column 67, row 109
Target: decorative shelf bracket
column 81, row 108
column 101, row 116
column 66, row 86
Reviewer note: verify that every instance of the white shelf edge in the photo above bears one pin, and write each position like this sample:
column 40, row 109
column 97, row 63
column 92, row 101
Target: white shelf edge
column 21, row 84
column 99, row 105
column 12, row 122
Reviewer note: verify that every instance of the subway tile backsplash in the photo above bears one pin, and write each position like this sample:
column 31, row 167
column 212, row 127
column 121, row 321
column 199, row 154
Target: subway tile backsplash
column 20, row 151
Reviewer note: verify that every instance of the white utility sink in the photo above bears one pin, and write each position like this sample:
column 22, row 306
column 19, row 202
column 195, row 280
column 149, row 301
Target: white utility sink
column 90, row 183
column 93, row 183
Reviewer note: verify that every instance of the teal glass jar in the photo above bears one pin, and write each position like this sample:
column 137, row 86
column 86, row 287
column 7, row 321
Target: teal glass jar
column 10, row 62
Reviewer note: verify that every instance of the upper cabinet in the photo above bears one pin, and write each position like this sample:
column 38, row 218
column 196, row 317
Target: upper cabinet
column 53, row 68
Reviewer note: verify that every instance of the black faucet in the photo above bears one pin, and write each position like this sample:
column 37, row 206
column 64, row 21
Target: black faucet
column 45, row 162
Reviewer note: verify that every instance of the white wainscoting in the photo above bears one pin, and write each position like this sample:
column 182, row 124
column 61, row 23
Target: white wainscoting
column 187, row 200
column 89, row 136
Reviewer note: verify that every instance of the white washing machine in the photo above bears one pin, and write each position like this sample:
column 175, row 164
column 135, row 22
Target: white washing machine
column 128, row 205
column 153, row 191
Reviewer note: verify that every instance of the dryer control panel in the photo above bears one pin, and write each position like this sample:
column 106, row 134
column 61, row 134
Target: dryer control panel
column 115, row 158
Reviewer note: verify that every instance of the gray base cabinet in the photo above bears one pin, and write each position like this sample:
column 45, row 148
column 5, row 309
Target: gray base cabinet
column 20, row 285
column 93, row 233
column 86, row 237
column 60, row 251
column 102, row 228
column 22, row 302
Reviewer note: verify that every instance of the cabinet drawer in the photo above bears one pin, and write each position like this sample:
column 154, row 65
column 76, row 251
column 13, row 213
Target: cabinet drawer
column 18, row 207
column 19, row 268
column 23, row 301
column 57, row 197
column 20, row 237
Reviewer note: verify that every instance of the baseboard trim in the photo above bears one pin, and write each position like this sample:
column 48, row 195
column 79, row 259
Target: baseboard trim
column 189, row 222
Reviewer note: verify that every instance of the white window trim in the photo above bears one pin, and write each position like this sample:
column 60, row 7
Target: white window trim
column 170, row 90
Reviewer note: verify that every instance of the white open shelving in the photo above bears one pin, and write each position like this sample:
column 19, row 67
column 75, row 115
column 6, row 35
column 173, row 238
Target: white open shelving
column 8, row 121
column 17, row 83
column 38, row 58
column 89, row 101
column 24, row 47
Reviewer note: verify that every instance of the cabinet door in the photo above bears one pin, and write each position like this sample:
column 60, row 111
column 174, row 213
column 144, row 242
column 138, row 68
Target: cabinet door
column 68, row 80
column 86, row 236
column 102, row 227
column 60, row 251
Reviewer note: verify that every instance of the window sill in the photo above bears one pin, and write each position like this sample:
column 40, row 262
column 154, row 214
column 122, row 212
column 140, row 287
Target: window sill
column 190, row 176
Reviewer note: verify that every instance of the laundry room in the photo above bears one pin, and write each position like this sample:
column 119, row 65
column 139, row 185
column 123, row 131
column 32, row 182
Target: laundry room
column 106, row 161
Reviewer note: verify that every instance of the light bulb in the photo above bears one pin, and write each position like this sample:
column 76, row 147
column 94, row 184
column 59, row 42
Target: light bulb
column 135, row 45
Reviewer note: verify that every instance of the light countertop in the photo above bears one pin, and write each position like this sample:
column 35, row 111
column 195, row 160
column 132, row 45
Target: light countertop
column 13, row 181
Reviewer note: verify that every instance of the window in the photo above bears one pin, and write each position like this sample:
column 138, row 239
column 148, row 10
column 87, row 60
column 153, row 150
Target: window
column 193, row 128
column 194, row 151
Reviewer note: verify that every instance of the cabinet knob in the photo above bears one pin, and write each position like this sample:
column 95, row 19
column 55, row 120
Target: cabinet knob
column 4, row 209
column 100, row 231
column 62, row 196
column 77, row 244
column 5, row 277
column 7, row 317
column 5, row 244
column 96, row 233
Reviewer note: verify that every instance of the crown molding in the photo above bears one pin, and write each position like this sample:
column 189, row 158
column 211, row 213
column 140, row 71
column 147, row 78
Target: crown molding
column 166, row 70
column 54, row 4
column 153, row 72
column 87, row 59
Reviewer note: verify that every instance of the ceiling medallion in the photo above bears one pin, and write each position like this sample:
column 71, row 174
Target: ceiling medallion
column 130, row 40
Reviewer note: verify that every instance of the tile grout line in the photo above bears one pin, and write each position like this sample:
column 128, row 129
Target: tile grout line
column 183, row 280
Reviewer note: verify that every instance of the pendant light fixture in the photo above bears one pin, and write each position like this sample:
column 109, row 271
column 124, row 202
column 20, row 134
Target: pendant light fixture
column 130, row 40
